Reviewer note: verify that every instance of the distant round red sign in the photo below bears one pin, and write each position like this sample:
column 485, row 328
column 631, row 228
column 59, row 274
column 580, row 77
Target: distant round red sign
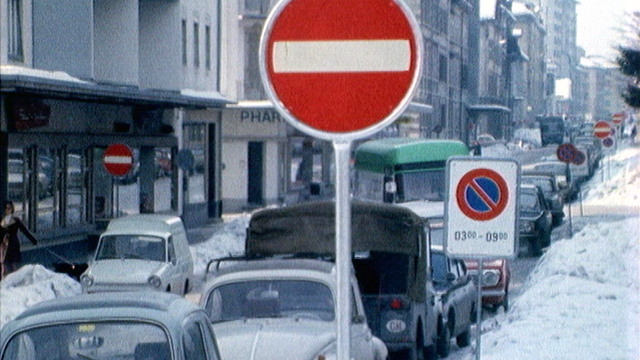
column 566, row 152
column 340, row 67
column 482, row 194
column 602, row 129
column 118, row 159
column 618, row 118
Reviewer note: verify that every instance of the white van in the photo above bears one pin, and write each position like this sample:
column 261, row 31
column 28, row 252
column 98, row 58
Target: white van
column 146, row 251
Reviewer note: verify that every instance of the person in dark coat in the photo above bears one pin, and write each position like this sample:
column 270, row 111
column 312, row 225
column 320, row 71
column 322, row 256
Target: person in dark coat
column 11, row 255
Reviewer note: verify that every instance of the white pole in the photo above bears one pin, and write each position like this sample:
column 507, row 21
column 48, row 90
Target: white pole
column 342, row 152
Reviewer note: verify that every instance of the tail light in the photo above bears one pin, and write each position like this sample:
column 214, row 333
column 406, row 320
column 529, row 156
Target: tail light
column 397, row 304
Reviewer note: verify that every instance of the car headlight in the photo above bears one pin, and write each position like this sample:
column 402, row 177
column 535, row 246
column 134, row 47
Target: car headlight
column 155, row 281
column 86, row 281
column 527, row 226
column 490, row 277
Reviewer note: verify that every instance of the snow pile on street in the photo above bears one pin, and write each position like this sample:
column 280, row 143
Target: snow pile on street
column 30, row 285
column 227, row 242
column 582, row 301
column 622, row 180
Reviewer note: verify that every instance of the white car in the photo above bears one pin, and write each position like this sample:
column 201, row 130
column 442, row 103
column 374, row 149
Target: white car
column 283, row 309
column 141, row 252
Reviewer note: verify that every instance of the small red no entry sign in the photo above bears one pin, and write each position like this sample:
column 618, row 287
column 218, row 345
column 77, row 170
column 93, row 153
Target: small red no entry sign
column 602, row 129
column 339, row 67
column 118, row 159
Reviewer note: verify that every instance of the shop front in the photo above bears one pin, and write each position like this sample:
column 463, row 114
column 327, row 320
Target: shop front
column 53, row 136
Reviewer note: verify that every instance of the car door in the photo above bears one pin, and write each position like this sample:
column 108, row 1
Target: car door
column 468, row 296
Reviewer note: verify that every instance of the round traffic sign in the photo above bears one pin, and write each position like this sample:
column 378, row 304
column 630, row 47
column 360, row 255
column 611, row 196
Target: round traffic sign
column 482, row 194
column 118, row 159
column 340, row 68
column 602, row 129
column 617, row 118
column 579, row 158
column 566, row 152
column 608, row 142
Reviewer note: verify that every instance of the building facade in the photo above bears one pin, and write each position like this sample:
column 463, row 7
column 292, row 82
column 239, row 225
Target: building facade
column 78, row 77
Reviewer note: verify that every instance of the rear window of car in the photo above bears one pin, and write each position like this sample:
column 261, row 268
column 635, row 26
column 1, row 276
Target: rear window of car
column 270, row 298
column 90, row 340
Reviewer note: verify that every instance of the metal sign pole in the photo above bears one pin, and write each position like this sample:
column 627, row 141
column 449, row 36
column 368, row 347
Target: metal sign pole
column 342, row 152
column 479, row 308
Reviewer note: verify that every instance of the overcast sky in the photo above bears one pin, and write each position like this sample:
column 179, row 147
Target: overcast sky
column 599, row 24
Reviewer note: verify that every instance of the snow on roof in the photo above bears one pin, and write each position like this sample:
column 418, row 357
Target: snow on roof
column 45, row 74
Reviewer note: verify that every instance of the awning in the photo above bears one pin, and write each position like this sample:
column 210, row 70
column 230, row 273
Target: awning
column 54, row 85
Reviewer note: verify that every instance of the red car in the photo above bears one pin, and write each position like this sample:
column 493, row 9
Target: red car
column 495, row 282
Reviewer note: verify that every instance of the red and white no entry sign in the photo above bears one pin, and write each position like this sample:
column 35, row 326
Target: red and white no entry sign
column 617, row 118
column 340, row 67
column 602, row 129
column 118, row 159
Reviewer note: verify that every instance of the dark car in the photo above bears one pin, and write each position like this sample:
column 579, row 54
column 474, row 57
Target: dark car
column 118, row 325
column 458, row 295
column 551, row 192
column 496, row 277
column 561, row 172
column 535, row 223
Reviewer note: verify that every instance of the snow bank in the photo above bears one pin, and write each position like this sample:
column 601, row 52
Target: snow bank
column 228, row 241
column 30, row 285
column 582, row 301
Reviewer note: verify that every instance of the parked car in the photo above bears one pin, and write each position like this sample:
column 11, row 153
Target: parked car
column 550, row 191
column 496, row 277
column 141, row 252
column 390, row 257
column 129, row 325
column 283, row 309
column 560, row 170
column 458, row 295
column 535, row 223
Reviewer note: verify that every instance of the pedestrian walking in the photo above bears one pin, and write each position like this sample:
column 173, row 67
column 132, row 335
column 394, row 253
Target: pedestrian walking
column 10, row 253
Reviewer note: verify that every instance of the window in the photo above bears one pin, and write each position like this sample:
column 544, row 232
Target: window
column 443, row 68
column 184, row 42
column 193, row 343
column 14, row 23
column 207, row 49
column 196, row 44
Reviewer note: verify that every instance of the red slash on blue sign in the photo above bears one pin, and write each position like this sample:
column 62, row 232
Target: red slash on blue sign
column 482, row 194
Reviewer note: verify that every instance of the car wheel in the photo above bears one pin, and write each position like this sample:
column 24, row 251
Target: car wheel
column 535, row 248
column 444, row 342
column 186, row 287
column 505, row 301
column 464, row 339
column 557, row 220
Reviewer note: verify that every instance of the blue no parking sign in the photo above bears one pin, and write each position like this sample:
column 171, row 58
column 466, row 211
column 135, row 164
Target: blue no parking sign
column 481, row 207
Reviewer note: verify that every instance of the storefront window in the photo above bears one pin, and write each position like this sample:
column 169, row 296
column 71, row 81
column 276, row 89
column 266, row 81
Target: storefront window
column 306, row 162
column 162, row 183
column 17, row 181
column 195, row 185
column 47, row 207
column 74, row 187
column 127, row 189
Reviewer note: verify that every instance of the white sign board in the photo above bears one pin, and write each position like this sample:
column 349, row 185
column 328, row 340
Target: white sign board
column 481, row 207
column 580, row 169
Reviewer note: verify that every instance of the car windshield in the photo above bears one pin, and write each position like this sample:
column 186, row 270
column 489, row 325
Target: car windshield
column 422, row 185
column 529, row 202
column 439, row 265
column 437, row 236
column 90, row 340
column 546, row 185
column 271, row 298
column 142, row 247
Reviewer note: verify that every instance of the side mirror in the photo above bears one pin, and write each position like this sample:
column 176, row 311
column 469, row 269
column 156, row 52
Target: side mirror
column 358, row 319
column 450, row 277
